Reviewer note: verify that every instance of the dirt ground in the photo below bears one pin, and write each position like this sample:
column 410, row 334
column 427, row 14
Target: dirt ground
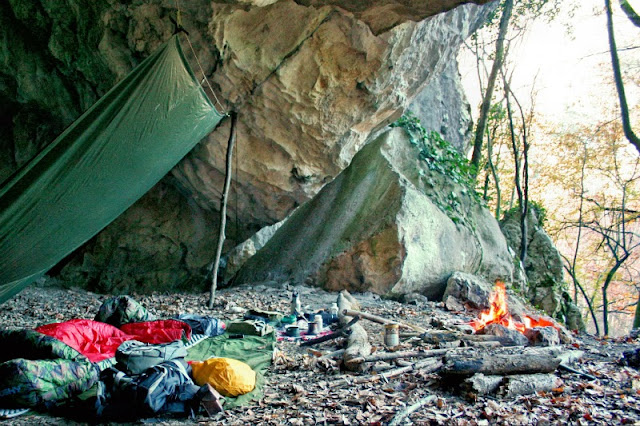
column 303, row 389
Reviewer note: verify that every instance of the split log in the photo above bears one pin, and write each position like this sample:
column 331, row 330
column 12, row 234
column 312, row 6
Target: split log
column 529, row 384
column 401, row 415
column 481, row 384
column 358, row 341
column 509, row 386
column 381, row 320
column 502, row 364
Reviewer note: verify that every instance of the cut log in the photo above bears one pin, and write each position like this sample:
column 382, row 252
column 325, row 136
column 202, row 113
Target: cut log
column 502, row 364
column 358, row 341
column 381, row 320
column 481, row 384
column 529, row 384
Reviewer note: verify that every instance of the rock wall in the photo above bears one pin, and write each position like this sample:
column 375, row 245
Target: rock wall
column 310, row 79
column 544, row 287
column 380, row 226
column 442, row 107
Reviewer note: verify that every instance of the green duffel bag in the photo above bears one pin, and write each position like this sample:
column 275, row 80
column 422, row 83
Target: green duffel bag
column 249, row 328
column 43, row 383
column 134, row 357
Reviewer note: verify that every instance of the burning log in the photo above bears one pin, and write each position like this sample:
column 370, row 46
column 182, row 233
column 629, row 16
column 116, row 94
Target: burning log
column 532, row 361
column 358, row 341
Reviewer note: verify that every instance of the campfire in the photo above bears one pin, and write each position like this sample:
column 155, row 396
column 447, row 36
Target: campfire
column 498, row 313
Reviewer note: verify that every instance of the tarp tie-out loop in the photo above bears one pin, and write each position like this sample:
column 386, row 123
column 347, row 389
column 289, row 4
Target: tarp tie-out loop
column 178, row 28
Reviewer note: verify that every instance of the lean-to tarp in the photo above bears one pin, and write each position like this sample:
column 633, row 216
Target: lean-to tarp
column 100, row 165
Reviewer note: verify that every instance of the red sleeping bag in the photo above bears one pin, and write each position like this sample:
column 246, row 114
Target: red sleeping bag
column 93, row 339
column 155, row 332
column 97, row 340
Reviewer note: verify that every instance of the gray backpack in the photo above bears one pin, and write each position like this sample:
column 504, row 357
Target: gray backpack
column 135, row 357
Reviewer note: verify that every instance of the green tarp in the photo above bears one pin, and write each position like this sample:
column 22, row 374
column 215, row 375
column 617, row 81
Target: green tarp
column 100, row 165
column 256, row 351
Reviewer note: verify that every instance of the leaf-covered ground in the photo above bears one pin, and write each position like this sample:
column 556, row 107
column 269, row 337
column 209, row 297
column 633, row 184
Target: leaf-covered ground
column 303, row 389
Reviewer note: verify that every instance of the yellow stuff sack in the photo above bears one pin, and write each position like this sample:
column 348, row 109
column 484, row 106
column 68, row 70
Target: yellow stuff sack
column 228, row 376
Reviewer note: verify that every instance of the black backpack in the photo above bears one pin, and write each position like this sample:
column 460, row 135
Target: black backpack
column 163, row 389
column 135, row 357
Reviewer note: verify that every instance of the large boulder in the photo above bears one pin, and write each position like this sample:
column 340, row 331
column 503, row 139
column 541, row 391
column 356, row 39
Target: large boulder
column 311, row 80
column 383, row 225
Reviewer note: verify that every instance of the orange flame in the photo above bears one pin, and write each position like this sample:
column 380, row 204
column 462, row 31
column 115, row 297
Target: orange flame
column 498, row 313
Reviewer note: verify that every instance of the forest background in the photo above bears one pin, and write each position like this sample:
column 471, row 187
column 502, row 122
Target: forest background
column 554, row 116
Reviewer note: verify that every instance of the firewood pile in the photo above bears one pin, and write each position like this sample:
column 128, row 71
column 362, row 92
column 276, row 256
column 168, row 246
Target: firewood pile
column 438, row 368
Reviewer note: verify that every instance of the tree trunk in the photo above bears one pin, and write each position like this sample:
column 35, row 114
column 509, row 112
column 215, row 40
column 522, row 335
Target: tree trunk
column 578, row 286
column 223, row 209
column 486, row 100
column 617, row 76
column 517, row 182
column 605, row 289
column 636, row 318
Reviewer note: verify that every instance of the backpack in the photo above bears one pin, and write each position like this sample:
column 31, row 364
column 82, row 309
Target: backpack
column 163, row 389
column 120, row 310
column 201, row 324
column 134, row 357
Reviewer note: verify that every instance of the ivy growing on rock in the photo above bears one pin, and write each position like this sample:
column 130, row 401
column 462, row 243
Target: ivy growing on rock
column 451, row 179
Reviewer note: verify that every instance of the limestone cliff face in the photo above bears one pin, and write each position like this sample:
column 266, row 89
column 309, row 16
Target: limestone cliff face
column 310, row 79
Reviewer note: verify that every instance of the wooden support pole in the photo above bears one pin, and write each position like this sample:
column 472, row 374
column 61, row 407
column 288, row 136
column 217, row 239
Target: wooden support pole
column 223, row 208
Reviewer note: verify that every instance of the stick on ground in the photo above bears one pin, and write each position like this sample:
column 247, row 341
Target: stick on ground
column 401, row 415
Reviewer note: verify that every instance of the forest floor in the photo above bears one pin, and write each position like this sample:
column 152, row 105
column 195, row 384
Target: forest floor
column 301, row 388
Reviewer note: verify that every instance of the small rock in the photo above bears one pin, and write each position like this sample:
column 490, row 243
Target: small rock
column 543, row 336
column 236, row 310
column 508, row 336
column 452, row 304
column 415, row 299
column 468, row 288
column 631, row 358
